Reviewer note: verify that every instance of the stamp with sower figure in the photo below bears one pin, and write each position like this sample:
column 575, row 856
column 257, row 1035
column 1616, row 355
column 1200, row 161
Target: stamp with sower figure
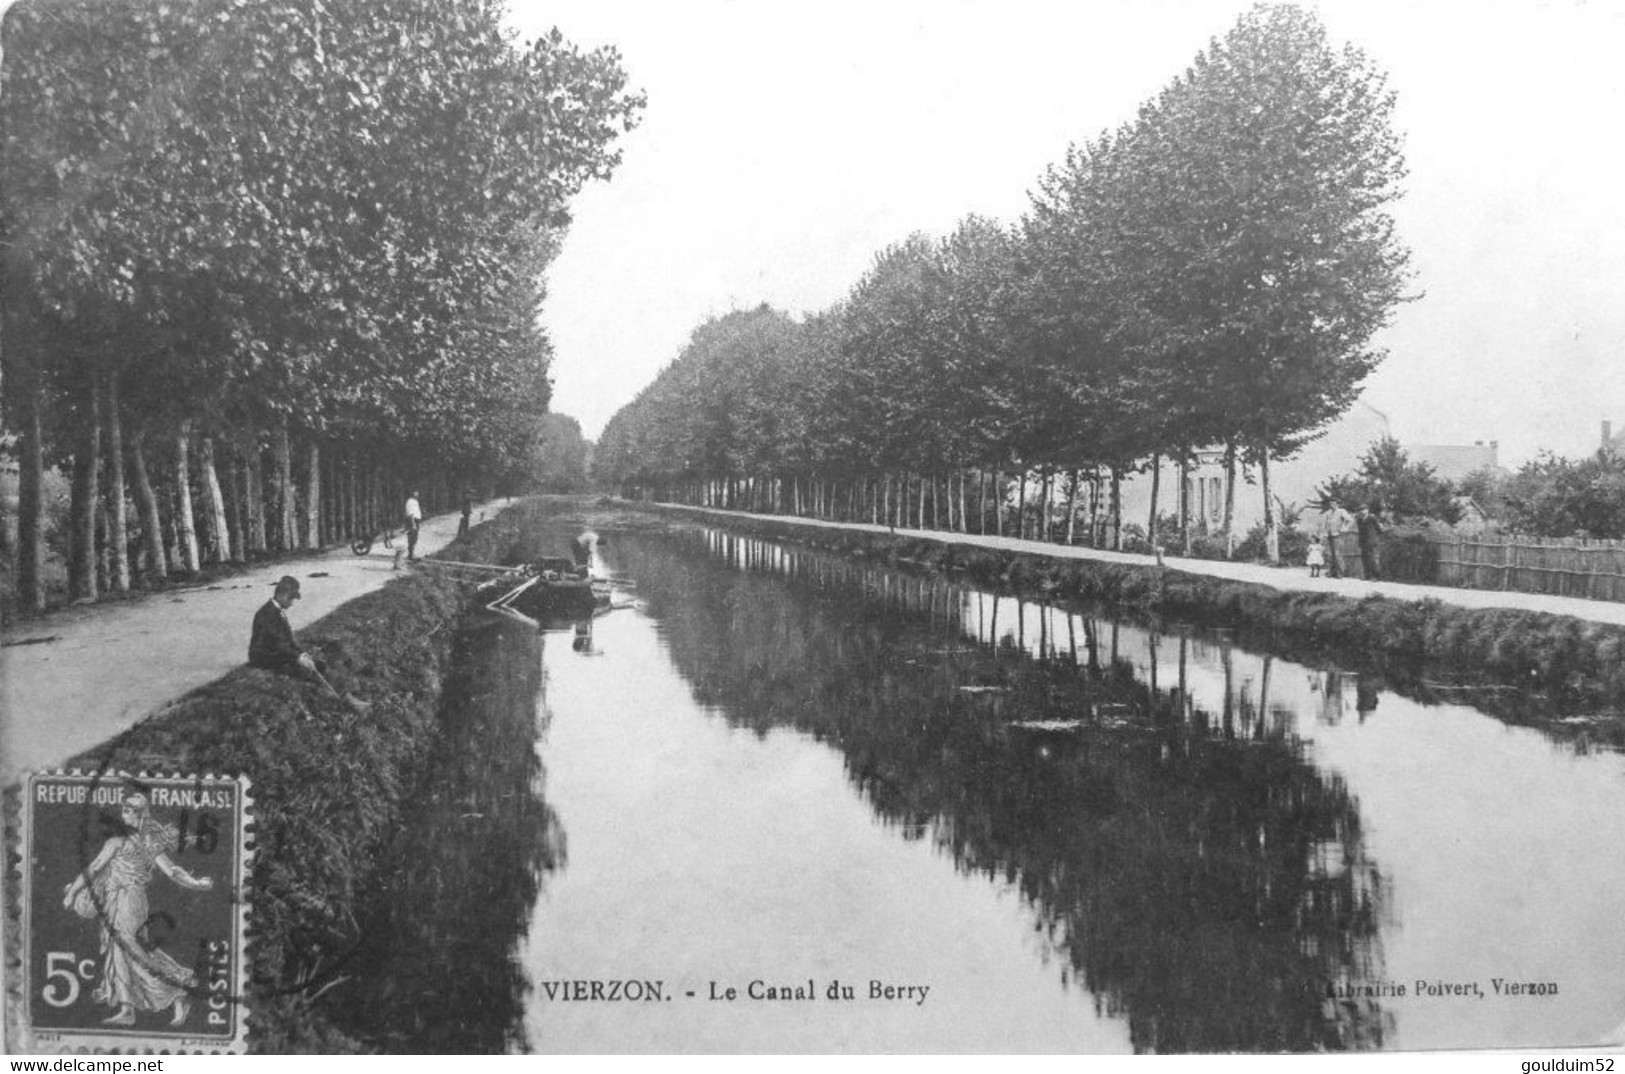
column 133, row 916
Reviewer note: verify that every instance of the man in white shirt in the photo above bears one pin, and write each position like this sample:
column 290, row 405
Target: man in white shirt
column 414, row 515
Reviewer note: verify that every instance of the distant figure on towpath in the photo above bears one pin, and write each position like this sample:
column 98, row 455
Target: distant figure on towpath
column 272, row 646
column 583, row 546
column 414, row 515
column 1368, row 530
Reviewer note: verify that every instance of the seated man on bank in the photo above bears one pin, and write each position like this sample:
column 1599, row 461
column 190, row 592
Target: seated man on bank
column 273, row 648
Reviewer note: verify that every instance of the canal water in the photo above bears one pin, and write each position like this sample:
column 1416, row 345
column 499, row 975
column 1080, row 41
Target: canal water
column 940, row 819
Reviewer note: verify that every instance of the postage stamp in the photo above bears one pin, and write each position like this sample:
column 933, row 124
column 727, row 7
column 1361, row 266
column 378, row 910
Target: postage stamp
column 133, row 918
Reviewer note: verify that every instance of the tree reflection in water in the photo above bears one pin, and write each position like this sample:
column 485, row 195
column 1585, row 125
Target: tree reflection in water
column 1185, row 863
column 437, row 970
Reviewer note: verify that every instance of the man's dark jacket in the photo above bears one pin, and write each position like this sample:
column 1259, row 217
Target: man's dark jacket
column 272, row 646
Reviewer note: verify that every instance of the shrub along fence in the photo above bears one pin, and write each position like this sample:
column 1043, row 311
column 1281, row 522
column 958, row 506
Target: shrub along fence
column 1564, row 567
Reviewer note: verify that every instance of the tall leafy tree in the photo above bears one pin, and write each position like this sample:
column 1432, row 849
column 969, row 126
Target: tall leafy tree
column 1277, row 161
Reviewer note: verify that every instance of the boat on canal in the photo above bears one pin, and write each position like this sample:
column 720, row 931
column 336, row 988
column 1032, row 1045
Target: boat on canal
column 552, row 588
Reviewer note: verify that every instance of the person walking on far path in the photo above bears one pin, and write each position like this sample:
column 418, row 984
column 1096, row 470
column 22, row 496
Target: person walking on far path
column 414, row 515
column 468, row 509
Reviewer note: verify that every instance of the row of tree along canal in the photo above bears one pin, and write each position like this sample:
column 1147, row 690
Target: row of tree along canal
column 267, row 267
column 1209, row 274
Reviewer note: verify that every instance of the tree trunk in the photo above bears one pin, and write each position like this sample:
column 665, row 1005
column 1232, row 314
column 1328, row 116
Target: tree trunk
column 1117, row 509
column 1229, row 499
column 118, row 536
column 152, row 523
column 348, row 523
column 1021, row 508
column 236, row 504
column 104, row 526
column 282, row 458
column 185, row 531
column 1185, row 500
column 31, row 472
column 998, row 504
column 256, row 498
column 1094, row 508
column 214, row 505
column 313, row 495
column 1156, row 489
column 82, row 507
column 1184, row 671
column 363, row 500
column 1043, row 507
column 324, row 513
column 1263, row 692
column 1272, row 536
column 172, row 533
column 1072, row 506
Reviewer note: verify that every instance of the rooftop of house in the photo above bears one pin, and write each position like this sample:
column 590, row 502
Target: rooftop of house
column 1452, row 462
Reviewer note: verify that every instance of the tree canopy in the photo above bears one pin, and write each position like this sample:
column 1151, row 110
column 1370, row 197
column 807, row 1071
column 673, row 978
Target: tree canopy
column 327, row 218
column 1212, row 273
column 1390, row 484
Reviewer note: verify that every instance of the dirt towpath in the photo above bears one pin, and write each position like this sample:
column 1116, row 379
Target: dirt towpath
column 109, row 665
column 1286, row 578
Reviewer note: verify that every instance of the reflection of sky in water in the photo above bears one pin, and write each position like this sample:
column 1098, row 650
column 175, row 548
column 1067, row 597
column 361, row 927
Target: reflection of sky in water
column 702, row 850
column 1501, row 849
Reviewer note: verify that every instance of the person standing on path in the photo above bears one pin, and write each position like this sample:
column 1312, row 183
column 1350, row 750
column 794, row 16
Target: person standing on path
column 583, row 547
column 414, row 515
column 1369, row 532
column 468, row 509
column 1316, row 558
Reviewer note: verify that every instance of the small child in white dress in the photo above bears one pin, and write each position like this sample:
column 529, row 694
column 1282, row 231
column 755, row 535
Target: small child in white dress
column 1316, row 558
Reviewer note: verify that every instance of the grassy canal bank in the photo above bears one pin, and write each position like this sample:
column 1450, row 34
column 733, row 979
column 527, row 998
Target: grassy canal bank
column 330, row 786
column 1561, row 658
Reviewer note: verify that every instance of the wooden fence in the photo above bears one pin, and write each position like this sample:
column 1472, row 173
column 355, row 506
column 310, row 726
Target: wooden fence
column 1594, row 570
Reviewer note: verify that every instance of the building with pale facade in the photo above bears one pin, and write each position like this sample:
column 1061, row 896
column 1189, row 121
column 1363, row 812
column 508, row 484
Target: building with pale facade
column 1292, row 481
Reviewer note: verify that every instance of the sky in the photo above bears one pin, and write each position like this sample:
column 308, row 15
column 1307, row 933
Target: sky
column 785, row 143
